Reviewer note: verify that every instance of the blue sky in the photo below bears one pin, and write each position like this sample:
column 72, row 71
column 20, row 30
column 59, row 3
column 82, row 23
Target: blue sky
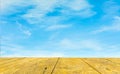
column 64, row 28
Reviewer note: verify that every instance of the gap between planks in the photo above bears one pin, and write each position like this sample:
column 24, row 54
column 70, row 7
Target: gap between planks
column 91, row 66
column 55, row 66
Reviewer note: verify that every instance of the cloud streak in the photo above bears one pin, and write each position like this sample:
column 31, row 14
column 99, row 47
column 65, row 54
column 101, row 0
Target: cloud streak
column 80, row 44
column 24, row 30
column 115, row 26
column 59, row 27
column 66, row 8
column 13, row 6
column 11, row 49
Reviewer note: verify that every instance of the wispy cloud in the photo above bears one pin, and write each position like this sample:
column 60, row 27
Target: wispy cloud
column 30, row 53
column 37, row 11
column 57, row 27
column 110, row 8
column 23, row 29
column 66, row 8
column 13, row 6
column 86, row 44
column 110, row 20
column 115, row 26
column 78, row 5
column 80, row 8
column 81, row 45
column 11, row 49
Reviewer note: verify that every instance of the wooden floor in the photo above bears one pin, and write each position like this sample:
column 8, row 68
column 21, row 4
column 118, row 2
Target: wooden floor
column 59, row 65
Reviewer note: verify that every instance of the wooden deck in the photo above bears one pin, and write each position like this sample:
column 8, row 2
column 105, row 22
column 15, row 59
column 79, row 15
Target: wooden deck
column 59, row 65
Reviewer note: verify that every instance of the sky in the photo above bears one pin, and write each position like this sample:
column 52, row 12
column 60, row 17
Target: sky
column 60, row 28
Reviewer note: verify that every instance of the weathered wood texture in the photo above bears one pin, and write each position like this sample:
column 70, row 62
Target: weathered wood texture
column 59, row 65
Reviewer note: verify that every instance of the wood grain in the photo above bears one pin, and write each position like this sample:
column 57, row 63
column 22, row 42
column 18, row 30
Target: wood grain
column 59, row 65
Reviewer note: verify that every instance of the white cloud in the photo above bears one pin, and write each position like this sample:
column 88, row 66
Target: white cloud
column 11, row 6
column 91, row 44
column 28, row 33
column 115, row 26
column 23, row 29
column 10, row 49
column 79, row 8
column 42, row 8
column 77, row 5
column 45, row 6
column 31, row 53
column 4, row 5
column 99, row 49
column 68, row 44
column 56, row 27
column 84, row 44
column 111, row 8
column 71, row 8
column 110, row 18
column 37, row 14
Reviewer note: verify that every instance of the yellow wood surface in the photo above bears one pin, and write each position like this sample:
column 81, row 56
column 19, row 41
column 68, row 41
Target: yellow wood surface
column 59, row 65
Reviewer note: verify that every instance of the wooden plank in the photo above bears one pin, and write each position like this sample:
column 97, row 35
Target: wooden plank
column 13, row 65
column 54, row 67
column 104, row 66
column 73, row 66
column 114, row 60
column 31, row 66
column 59, row 66
column 6, row 60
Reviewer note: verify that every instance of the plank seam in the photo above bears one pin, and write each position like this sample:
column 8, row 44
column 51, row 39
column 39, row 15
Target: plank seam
column 91, row 66
column 55, row 66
